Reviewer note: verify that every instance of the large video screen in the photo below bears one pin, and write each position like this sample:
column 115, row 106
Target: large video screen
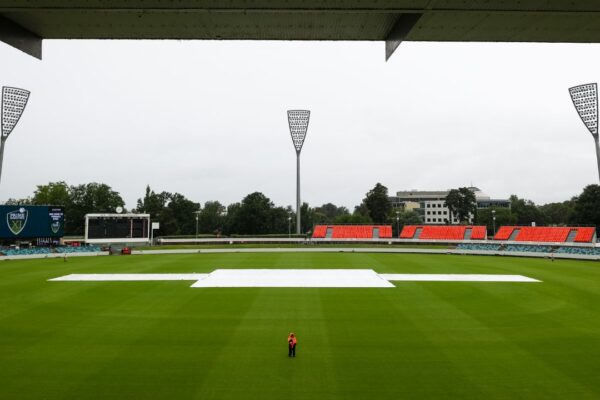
column 30, row 222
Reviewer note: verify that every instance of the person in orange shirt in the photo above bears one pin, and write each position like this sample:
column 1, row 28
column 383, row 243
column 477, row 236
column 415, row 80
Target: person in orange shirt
column 292, row 341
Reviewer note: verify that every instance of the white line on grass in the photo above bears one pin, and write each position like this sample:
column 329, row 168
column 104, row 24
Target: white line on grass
column 130, row 277
column 456, row 278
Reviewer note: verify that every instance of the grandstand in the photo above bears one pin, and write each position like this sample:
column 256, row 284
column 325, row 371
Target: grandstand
column 352, row 232
column 443, row 232
column 546, row 234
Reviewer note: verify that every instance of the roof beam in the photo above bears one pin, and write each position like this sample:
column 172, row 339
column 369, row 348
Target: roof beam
column 399, row 31
column 20, row 38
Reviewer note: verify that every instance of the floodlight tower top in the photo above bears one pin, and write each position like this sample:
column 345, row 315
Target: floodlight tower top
column 585, row 100
column 14, row 101
column 298, row 121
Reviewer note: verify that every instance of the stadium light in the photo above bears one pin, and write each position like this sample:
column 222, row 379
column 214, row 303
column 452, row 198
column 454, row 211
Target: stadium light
column 14, row 101
column 585, row 100
column 298, row 122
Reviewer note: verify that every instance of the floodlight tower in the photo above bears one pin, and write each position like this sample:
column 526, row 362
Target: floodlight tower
column 585, row 100
column 298, row 121
column 14, row 101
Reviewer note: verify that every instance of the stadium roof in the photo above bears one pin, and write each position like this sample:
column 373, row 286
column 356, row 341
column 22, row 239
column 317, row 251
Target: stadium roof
column 25, row 24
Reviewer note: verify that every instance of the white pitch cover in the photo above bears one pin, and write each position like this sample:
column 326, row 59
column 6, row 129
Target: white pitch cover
column 330, row 278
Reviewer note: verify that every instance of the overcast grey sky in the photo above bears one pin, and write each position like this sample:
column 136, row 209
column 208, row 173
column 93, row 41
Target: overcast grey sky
column 208, row 118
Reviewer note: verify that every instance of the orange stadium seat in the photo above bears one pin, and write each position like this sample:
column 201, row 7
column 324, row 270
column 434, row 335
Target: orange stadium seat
column 442, row 232
column 557, row 234
column 352, row 231
column 408, row 231
column 504, row 233
column 585, row 235
column 319, row 231
column 478, row 233
column 385, row 231
column 542, row 234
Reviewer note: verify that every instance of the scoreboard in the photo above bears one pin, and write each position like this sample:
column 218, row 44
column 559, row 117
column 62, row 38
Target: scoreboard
column 117, row 228
column 30, row 222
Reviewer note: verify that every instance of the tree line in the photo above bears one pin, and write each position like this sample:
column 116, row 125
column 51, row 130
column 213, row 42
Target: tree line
column 583, row 209
column 256, row 214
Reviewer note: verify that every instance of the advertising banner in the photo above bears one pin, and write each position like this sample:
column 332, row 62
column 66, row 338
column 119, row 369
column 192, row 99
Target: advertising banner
column 27, row 222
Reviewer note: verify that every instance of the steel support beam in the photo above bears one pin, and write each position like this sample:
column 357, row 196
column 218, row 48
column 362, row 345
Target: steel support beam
column 399, row 31
column 298, row 205
column 2, row 141
column 597, row 141
column 20, row 38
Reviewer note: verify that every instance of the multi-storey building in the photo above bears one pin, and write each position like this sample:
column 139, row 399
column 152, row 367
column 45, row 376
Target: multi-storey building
column 431, row 205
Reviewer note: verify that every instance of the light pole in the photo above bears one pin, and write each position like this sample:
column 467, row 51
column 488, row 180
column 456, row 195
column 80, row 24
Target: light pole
column 494, row 221
column 398, row 222
column 197, row 214
column 585, row 100
column 289, row 226
column 298, row 122
column 14, row 101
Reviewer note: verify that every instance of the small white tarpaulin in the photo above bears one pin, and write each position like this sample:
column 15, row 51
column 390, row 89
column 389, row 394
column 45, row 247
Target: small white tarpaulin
column 456, row 278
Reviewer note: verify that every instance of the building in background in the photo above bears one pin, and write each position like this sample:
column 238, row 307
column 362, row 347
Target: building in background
column 431, row 204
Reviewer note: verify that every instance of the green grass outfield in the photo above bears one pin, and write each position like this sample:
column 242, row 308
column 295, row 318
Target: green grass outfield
column 421, row 340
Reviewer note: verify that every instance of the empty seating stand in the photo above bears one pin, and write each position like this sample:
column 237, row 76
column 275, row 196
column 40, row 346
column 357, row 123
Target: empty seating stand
column 504, row 233
column 443, row 232
column 408, row 232
column 585, row 235
column 319, row 231
column 352, row 231
column 548, row 234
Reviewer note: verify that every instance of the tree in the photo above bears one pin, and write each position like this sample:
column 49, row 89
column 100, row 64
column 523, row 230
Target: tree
column 356, row 218
column 253, row 215
column 153, row 203
column 231, row 223
column 212, row 217
column 377, row 204
column 405, row 217
column 278, row 220
column 409, row 217
column 526, row 211
column 307, row 218
column 54, row 193
column 327, row 213
column 462, row 203
column 174, row 212
column 504, row 216
column 559, row 213
column 182, row 212
column 17, row 202
column 587, row 208
column 89, row 198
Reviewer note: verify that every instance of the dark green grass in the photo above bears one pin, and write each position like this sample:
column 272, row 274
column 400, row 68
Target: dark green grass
column 165, row 340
